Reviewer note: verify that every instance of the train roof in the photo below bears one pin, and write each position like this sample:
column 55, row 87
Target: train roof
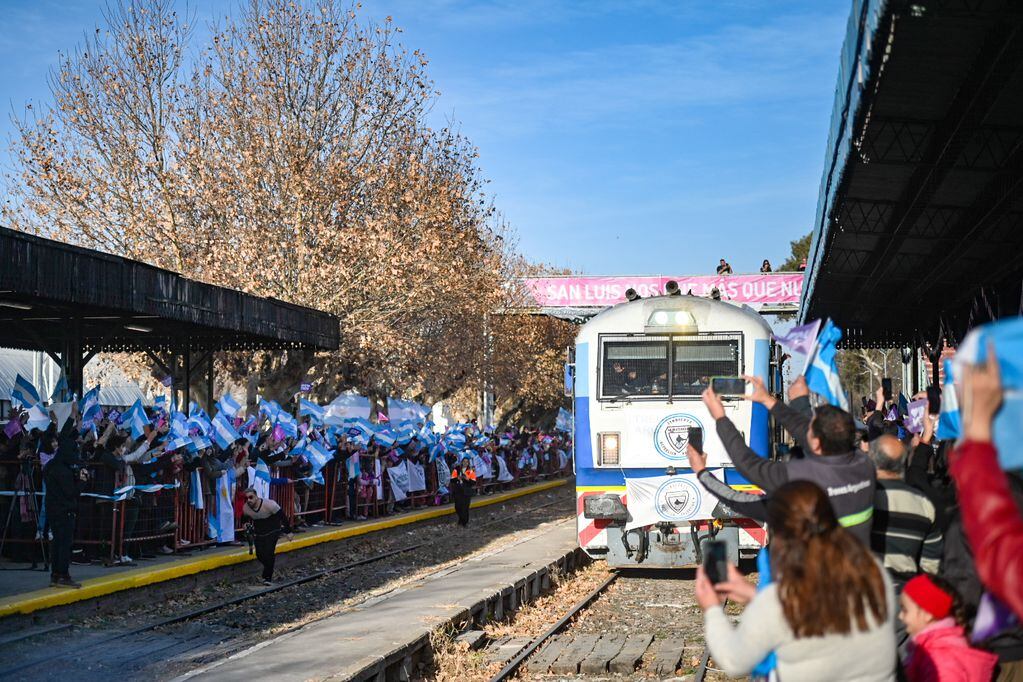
column 701, row 314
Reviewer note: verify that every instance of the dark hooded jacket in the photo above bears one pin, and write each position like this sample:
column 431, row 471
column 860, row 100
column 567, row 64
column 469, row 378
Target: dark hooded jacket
column 63, row 486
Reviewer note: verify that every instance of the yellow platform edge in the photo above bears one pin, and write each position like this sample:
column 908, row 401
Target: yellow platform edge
column 49, row 597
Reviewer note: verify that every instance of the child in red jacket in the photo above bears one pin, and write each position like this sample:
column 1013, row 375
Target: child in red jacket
column 938, row 650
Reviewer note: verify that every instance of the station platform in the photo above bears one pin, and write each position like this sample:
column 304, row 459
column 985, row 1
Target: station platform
column 380, row 638
column 21, row 591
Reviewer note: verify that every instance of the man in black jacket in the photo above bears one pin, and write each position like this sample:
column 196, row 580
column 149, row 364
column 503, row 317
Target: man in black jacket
column 836, row 465
column 64, row 480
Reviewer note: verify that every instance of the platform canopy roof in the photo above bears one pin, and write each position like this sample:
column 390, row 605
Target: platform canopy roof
column 52, row 293
column 919, row 227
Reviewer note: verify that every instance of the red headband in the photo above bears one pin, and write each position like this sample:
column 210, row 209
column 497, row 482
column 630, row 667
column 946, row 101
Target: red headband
column 929, row 596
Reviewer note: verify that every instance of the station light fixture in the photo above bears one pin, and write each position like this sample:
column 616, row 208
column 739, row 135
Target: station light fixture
column 138, row 328
column 609, row 448
column 15, row 305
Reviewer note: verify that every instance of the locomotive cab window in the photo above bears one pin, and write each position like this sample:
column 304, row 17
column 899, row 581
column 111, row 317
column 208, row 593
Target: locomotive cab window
column 695, row 361
column 634, row 368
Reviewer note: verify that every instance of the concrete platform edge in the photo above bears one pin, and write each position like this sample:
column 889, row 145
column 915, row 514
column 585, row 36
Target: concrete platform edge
column 49, row 597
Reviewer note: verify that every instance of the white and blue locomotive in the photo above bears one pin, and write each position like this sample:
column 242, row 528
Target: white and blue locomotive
column 639, row 369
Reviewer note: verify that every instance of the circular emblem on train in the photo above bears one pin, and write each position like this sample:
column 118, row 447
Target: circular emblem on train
column 677, row 499
column 671, row 437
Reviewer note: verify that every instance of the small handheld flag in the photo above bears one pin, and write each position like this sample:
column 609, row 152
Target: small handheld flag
column 228, row 405
column 314, row 411
column 950, row 424
column 800, row 339
column 223, row 431
column 24, row 394
column 822, row 369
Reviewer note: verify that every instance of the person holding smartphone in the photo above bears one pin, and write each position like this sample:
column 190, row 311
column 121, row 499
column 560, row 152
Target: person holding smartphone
column 829, row 433
column 828, row 616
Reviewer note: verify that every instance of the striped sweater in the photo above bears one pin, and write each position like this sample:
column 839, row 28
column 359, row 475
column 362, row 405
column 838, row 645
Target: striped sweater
column 904, row 532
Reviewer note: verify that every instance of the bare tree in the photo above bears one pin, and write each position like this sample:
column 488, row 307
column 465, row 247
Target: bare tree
column 288, row 157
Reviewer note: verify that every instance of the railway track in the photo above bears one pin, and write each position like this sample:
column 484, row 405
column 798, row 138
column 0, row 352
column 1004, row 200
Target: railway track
column 587, row 641
column 185, row 632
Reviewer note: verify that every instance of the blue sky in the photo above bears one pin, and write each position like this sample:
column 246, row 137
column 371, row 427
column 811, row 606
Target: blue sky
column 619, row 137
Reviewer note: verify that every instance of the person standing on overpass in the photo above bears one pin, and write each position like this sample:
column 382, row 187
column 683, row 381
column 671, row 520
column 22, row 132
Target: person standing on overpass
column 267, row 521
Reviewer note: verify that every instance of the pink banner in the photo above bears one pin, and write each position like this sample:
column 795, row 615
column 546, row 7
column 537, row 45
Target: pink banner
column 772, row 289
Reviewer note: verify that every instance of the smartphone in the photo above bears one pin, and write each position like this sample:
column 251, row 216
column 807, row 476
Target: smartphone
column 715, row 561
column 728, row 386
column 933, row 400
column 696, row 438
column 886, row 388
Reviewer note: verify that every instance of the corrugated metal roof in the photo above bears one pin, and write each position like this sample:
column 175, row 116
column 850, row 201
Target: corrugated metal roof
column 119, row 391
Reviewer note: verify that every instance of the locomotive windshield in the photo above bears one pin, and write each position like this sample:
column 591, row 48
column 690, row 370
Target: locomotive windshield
column 635, row 368
column 640, row 367
column 695, row 362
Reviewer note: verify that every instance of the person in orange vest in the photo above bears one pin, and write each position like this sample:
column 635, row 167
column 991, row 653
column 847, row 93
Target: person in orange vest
column 463, row 487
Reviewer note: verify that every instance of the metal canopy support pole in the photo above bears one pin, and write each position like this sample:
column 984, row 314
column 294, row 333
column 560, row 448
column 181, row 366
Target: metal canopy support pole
column 73, row 360
column 209, row 382
column 915, row 369
column 186, row 356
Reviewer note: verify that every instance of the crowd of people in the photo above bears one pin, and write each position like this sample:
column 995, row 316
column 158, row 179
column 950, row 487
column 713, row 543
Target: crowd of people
column 89, row 465
column 892, row 554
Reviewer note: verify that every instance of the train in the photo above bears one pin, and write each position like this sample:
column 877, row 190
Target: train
column 637, row 372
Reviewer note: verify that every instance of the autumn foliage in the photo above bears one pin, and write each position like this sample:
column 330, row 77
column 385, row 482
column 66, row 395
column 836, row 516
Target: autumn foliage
column 288, row 155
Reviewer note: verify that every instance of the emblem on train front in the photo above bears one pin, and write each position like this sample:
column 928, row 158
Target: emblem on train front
column 671, row 437
column 677, row 499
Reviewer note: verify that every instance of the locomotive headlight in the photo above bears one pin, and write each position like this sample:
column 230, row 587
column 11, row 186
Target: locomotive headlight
column 609, row 448
column 604, row 506
column 671, row 320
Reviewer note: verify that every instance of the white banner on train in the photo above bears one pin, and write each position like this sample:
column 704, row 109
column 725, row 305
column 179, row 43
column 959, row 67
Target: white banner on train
column 676, row 499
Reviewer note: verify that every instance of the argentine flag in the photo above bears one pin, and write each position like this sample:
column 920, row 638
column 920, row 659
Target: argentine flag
column 199, row 443
column 950, row 424
column 455, row 440
column 385, row 437
column 270, row 408
column 160, row 403
column 178, row 425
column 822, row 369
column 259, row 478
column 287, row 424
column 360, row 431
column 228, row 405
column 60, row 389
column 406, row 434
column 223, row 431
column 178, row 442
column 24, row 394
column 318, row 457
column 314, row 411
column 136, row 420
column 195, row 490
column 1006, row 336
column 200, row 423
column 89, row 406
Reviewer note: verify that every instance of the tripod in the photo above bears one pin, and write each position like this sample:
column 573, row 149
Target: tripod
column 33, row 504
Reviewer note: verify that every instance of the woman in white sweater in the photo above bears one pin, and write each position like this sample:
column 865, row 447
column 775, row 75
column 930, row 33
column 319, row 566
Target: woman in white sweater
column 830, row 613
